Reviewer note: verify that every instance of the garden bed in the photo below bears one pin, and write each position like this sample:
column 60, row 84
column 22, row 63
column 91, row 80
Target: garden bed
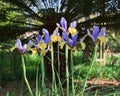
column 14, row 87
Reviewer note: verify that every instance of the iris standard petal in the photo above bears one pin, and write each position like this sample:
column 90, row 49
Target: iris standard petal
column 95, row 32
column 63, row 23
column 30, row 42
column 73, row 24
column 46, row 34
column 38, row 38
column 20, row 47
column 102, row 32
column 19, row 44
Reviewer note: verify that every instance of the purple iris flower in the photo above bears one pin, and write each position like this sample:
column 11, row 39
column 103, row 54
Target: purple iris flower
column 46, row 36
column 96, row 33
column 70, row 41
column 42, row 41
column 20, row 47
column 65, row 35
column 63, row 24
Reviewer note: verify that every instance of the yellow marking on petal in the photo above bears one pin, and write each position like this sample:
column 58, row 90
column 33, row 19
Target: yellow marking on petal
column 61, row 44
column 13, row 48
column 83, row 45
column 103, row 39
column 55, row 38
column 42, row 46
column 59, row 39
column 72, row 30
column 34, row 51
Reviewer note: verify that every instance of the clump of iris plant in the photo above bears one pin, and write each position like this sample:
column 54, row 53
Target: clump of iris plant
column 69, row 37
column 63, row 35
column 22, row 48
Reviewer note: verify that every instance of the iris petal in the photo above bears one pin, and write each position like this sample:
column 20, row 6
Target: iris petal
column 30, row 44
column 46, row 34
column 69, row 41
column 95, row 32
column 18, row 43
column 74, row 39
column 73, row 24
column 65, row 36
column 102, row 32
column 20, row 47
column 38, row 38
column 63, row 23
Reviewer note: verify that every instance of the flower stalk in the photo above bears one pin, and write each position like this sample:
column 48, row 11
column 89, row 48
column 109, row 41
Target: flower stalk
column 72, row 72
column 54, row 86
column 43, row 75
column 25, row 77
column 92, row 63
column 67, row 70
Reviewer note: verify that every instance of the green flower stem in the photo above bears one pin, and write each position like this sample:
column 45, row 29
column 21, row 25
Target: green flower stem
column 58, row 54
column 43, row 75
column 54, row 86
column 93, row 61
column 72, row 71
column 100, row 50
column 67, row 70
column 25, row 77
column 37, row 81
